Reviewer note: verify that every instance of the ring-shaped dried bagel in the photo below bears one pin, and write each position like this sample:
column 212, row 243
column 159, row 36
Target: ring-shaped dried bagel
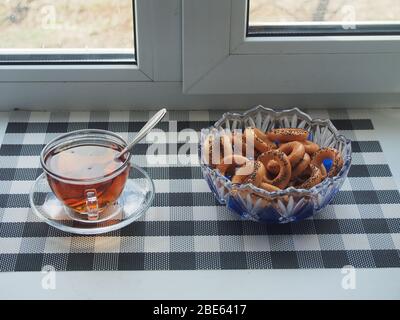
column 263, row 136
column 251, row 172
column 226, row 145
column 283, row 177
column 255, row 137
column 314, row 178
column 301, row 166
column 273, row 168
column 294, row 150
column 307, row 172
column 328, row 153
column 323, row 171
column 240, row 147
column 216, row 147
column 230, row 163
column 238, row 143
column 269, row 187
column 311, row 147
column 288, row 134
column 208, row 149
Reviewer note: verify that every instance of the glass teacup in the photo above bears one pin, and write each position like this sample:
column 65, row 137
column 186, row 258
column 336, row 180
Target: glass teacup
column 83, row 171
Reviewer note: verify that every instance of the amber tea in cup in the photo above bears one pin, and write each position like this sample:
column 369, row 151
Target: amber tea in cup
column 83, row 171
column 86, row 162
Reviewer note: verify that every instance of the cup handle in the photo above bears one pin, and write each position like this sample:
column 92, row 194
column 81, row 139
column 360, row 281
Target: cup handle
column 92, row 204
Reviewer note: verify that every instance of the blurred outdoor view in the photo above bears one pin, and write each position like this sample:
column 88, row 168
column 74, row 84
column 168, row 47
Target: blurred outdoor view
column 108, row 24
column 72, row 24
column 273, row 11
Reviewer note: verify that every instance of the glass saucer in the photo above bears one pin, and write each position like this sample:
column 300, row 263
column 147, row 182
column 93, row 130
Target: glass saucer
column 134, row 201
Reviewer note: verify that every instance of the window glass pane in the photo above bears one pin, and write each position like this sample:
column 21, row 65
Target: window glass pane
column 347, row 14
column 67, row 26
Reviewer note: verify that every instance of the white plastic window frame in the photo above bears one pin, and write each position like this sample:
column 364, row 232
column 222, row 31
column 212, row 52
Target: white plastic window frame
column 218, row 58
column 148, row 44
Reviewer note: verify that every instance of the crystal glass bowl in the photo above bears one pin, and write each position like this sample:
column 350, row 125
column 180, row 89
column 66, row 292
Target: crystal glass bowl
column 288, row 205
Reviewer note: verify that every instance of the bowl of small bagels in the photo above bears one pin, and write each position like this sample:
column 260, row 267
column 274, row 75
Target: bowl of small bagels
column 274, row 166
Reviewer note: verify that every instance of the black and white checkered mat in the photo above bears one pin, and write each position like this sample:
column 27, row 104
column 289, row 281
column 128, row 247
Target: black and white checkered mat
column 185, row 228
